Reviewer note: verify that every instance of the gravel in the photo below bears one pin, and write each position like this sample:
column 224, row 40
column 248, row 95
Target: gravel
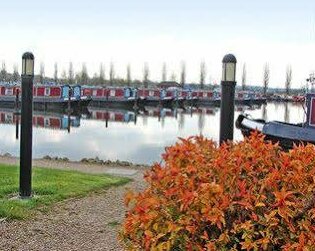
column 89, row 223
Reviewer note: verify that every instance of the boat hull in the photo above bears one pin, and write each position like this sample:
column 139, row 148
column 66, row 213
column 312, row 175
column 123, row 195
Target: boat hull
column 287, row 135
column 115, row 103
column 48, row 104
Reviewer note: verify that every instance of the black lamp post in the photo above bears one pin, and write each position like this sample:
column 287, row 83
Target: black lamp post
column 26, row 125
column 227, row 98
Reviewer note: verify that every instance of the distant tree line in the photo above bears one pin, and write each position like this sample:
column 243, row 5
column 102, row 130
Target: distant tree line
column 82, row 77
column 9, row 77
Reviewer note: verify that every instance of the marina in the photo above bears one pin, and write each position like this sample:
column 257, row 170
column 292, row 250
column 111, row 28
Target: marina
column 128, row 135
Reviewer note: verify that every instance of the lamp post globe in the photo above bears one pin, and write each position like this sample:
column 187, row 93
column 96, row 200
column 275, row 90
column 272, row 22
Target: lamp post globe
column 229, row 68
column 28, row 64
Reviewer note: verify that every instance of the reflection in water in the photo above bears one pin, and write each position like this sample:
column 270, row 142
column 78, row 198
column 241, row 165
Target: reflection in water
column 286, row 113
column 133, row 136
column 201, row 122
column 16, row 126
column 181, row 121
column 264, row 112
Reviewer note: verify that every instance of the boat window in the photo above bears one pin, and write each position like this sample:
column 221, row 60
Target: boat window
column 47, row 91
column 204, row 94
column 8, row 118
column 151, row 93
column 94, row 92
column 46, row 122
column 112, row 93
column 112, row 116
column 8, row 91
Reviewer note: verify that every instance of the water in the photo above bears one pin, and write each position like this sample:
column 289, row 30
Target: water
column 125, row 136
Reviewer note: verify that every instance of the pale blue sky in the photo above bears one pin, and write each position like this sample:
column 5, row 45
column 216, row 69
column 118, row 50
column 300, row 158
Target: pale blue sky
column 279, row 32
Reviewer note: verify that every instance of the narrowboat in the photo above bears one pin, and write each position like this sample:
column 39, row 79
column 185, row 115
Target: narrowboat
column 191, row 98
column 156, row 97
column 298, row 99
column 249, row 98
column 176, row 95
column 208, row 98
column 113, row 97
column 285, row 133
column 46, row 97
column 242, row 98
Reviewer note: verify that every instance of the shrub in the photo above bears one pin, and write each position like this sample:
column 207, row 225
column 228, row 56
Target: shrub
column 243, row 196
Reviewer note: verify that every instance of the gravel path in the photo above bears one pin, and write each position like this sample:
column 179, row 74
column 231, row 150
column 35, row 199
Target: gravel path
column 89, row 223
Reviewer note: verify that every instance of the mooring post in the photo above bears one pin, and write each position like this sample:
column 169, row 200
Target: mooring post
column 227, row 98
column 135, row 106
column 69, row 99
column 26, row 125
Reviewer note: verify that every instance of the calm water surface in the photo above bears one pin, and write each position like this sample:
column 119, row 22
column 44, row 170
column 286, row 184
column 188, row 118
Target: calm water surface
column 118, row 134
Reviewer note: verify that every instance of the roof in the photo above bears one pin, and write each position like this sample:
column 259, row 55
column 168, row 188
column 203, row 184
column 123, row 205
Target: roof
column 166, row 84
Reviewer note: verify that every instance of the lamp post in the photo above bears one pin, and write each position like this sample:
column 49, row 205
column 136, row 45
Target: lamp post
column 227, row 98
column 26, row 125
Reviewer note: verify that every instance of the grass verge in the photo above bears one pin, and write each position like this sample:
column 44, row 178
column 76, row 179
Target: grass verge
column 49, row 186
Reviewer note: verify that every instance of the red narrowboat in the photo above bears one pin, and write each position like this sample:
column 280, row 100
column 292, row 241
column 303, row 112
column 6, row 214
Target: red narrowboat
column 46, row 97
column 113, row 97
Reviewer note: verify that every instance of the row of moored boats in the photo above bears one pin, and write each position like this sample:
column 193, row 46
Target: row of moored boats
column 76, row 97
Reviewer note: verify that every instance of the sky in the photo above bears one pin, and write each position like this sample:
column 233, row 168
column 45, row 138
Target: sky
column 276, row 32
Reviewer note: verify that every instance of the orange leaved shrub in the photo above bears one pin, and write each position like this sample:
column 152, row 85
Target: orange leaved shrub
column 240, row 196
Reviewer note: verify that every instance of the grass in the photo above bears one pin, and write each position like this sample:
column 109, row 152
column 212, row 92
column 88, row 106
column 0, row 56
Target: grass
column 49, row 186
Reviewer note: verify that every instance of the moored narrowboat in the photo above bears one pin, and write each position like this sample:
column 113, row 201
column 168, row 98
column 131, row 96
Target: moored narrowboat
column 285, row 133
column 177, row 96
column 190, row 97
column 156, row 97
column 208, row 98
column 119, row 97
column 46, row 97
column 242, row 98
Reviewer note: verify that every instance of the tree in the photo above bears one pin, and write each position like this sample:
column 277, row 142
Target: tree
column 183, row 74
column 56, row 73
column 288, row 80
column 84, row 76
column 173, row 77
column 42, row 73
column 164, row 72
column 102, row 74
column 15, row 75
column 202, row 74
column 70, row 74
column 244, row 77
column 3, row 72
column 146, row 73
column 77, row 77
column 128, row 75
column 266, row 78
column 111, row 74
column 64, row 78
